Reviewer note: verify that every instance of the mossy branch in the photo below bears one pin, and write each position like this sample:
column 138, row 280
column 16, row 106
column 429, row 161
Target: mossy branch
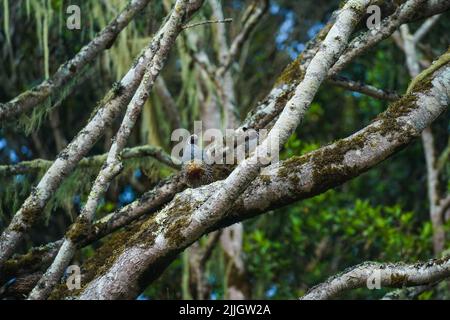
column 436, row 65
column 390, row 275
column 39, row 165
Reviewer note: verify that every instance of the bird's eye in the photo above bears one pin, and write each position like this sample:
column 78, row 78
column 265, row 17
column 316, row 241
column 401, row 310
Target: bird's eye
column 244, row 129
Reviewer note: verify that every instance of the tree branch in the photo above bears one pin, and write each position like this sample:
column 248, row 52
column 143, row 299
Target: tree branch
column 257, row 10
column 202, row 23
column 33, row 166
column 293, row 112
column 266, row 111
column 393, row 275
column 370, row 38
column 366, row 89
column 168, row 103
column 425, row 27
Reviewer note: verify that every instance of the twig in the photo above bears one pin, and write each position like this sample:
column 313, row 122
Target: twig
column 364, row 88
column 201, row 23
column 26, row 167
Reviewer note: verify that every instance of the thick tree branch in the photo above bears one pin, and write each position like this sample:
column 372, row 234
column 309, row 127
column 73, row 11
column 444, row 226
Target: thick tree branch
column 266, row 111
column 293, row 112
column 392, row 275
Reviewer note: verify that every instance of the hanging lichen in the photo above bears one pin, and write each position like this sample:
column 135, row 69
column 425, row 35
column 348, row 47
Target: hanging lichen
column 31, row 122
column 28, row 8
column 45, row 42
column 6, row 23
column 116, row 61
column 15, row 188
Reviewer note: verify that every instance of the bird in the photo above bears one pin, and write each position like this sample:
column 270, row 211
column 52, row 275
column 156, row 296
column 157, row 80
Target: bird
column 194, row 169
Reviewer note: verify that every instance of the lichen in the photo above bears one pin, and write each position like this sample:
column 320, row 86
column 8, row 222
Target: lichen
column 357, row 6
column 328, row 169
column 438, row 262
column 423, row 81
column 29, row 213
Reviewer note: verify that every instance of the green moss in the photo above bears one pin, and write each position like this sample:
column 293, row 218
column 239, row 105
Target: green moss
column 342, row 3
column 422, row 86
column 176, row 224
column 290, row 167
column 144, row 233
column 29, row 262
column 139, row 233
column 438, row 262
column 265, row 179
column 105, row 256
column 29, row 213
column 175, row 231
column 117, row 88
column 396, row 110
column 293, row 73
column 98, row 264
column 423, row 81
column 398, row 280
column 79, row 230
column 327, row 165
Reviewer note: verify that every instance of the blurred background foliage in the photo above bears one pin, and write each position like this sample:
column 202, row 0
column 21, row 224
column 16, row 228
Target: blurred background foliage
column 381, row 215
